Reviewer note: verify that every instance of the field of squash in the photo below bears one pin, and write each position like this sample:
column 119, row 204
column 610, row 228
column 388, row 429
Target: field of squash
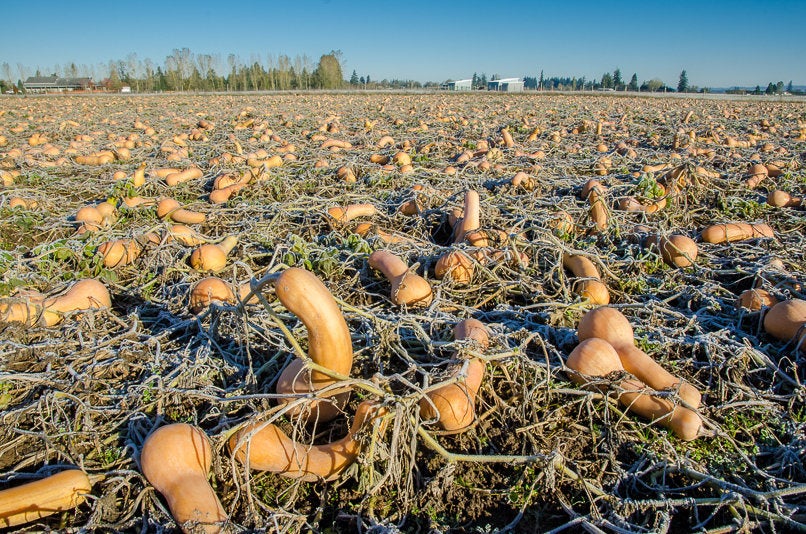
column 402, row 313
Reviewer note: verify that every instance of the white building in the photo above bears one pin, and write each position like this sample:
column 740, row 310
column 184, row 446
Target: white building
column 458, row 85
column 511, row 85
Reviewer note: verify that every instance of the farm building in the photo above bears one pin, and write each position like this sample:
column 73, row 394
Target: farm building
column 458, row 85
column 42, row 84
column 510, row 85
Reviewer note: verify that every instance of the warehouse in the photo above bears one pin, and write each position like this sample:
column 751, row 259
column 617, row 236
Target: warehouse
column 45, row 84
column 510, row 85
column 458, row 85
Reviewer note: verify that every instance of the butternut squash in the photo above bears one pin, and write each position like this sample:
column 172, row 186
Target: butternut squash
column 756, row 299
column 34, row 500
column 782, row 199
column 343, row 214
column 453, row 405
column 456, row 266
column 33, row 308
column 207, row 291
column 120, row 252
column 329, row 343
column 408, row 288
column 212, row 257
column 176, row 459
column 83, row 295
column 170, row 209
column 265, row 447
column 470, row 221
column 610, row 325
column 676, row 250
column 721, row 233
column 786, row 320
column 185, row 235
column 175, row 178
column 598, row 210
column 596, row 358
column 589, row 286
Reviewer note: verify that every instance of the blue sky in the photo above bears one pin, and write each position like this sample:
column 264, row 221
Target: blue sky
column 719, row 43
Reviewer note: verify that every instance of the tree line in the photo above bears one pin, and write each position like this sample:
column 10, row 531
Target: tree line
column 772, row 89
column 184, row 70
column 609, row 81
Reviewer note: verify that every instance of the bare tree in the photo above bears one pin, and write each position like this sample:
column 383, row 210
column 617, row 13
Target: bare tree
column 133, row 70
column 23, row 71
column 232, row 79
column 178, row 67
column 7, row 72
column 284, row 71
column 148, row 68
column 271, row 78
column 204, row 64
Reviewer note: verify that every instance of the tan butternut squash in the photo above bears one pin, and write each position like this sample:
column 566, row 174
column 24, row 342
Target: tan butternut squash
column 83, row 295
column 610, row 325
column 120, row 252
column 170, row 209
column 596, row 358
column 207, row 291
column 676, row 250
column 344, row 214
column 265, row 447
column 787, row 321
column 34, row 500
column 453, row 405
column 456, row 266
column 756, row 299
column 589, row 284
column 212, row 257
column 721, row 233
column 329, row 343
column 176, row 459
column 470, row 221
column 175, row 178
column 782, row 199
column 408, row 288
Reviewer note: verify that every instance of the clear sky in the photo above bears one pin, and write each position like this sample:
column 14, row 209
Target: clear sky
column 720, row 43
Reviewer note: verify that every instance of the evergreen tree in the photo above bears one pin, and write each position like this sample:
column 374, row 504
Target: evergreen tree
column 682, row 84
column 779, row 88
column 770, row 88
column 618, row 83
column 607, row 81
column 162, row 82
column 354, row 78
column 368, row 79
column 789, row 87
column 633, row 85
column 540, row 81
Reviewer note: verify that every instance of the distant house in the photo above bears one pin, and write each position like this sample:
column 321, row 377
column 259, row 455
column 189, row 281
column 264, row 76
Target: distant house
column 458, row 85
column 45, row 84
column 511, row 85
